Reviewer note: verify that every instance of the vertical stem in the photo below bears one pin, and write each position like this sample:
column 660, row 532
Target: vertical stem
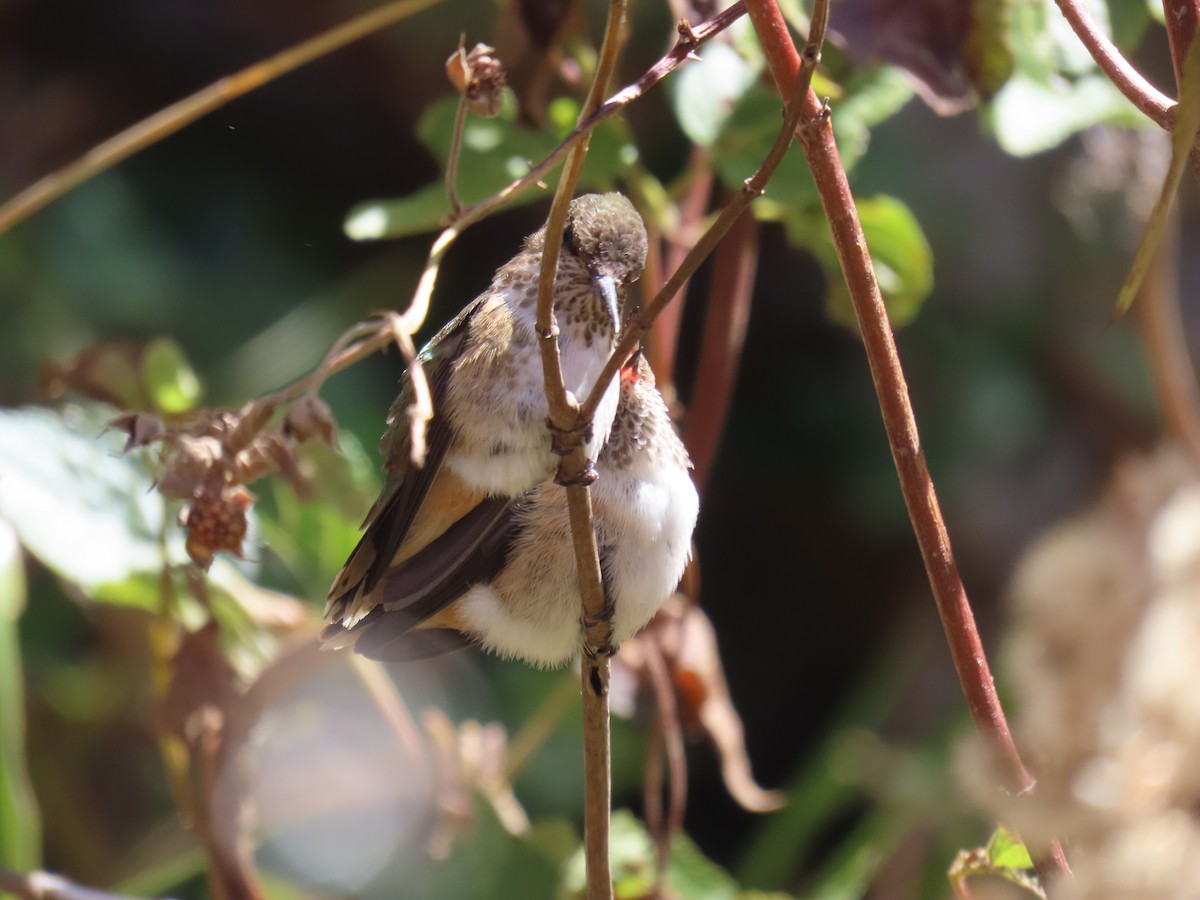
column 664, row 335
column 566, row 421
column 954, row 609
column 1181, row 17
column 721, row 347
column 460, row 121
column 1163, row 335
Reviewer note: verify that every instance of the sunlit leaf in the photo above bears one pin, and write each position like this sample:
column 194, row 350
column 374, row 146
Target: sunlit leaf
column 746, row 138
column 169, row 378
column 81, row 508
column 1029, row 117
column 900, row 253
column 704, row 93
column 1007, row 852
column 1187, row 122
column 751, row 129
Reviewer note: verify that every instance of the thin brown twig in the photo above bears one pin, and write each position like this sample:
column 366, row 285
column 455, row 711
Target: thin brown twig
column 565, row 420
column 891, row 389
column 167, row 121
column 460, row 121
column 391, row 706
column 1129, row 81
column 670, row 731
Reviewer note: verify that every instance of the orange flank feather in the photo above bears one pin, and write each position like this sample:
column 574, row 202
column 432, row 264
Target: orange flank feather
column 448, row 500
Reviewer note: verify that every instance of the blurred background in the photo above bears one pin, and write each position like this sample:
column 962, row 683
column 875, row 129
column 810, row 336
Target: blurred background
column 228, row 239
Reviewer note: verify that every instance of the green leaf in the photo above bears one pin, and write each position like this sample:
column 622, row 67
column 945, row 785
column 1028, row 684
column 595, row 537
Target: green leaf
column 495, row 152
column 1006, row 851
column 86, row 512
column 1029, row 117
column 900, row 253
column 1187, row 122
column 633, row 855
column 705, row 92
column 869, row 100
column 987, row 52
column 20, row 825
column 491, row 864
column 751, row 129
column 313, row 537
column 169, row 378
column 746, row 138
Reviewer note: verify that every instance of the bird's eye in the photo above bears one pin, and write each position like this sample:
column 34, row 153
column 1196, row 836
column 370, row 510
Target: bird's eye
column 568, row 239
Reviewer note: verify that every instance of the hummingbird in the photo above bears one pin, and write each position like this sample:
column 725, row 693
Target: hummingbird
column 512, row 586
column 488, row 443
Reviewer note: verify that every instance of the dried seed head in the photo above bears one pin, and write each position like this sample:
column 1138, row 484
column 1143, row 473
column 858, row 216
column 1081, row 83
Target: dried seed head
column 479, row 76
column 216, row 522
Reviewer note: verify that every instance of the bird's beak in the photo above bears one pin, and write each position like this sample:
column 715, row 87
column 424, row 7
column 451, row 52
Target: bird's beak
column 606, row 287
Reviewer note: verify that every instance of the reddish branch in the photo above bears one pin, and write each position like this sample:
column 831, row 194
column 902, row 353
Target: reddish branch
column 1181, row 17
column 725, row 323
column 1128, row 80
column 966, row 648
column 663, row 340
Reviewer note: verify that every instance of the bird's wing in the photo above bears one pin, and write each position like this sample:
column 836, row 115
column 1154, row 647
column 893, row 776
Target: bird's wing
column 414, row 591
column 394, row 513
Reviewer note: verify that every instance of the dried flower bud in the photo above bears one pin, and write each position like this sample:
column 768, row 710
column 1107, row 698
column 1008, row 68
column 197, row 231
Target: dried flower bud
column 216, row 522
column 140, row 428
column 479, row 76
column 310, row 417
column 188, row 466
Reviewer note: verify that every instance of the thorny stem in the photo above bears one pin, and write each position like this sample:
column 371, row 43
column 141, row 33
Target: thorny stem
column 668, row 743
column 1128, row 80
column 167, row 121
column 966, row 648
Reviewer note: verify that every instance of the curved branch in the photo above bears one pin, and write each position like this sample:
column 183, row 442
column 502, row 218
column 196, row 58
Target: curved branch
column 1128, row 80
